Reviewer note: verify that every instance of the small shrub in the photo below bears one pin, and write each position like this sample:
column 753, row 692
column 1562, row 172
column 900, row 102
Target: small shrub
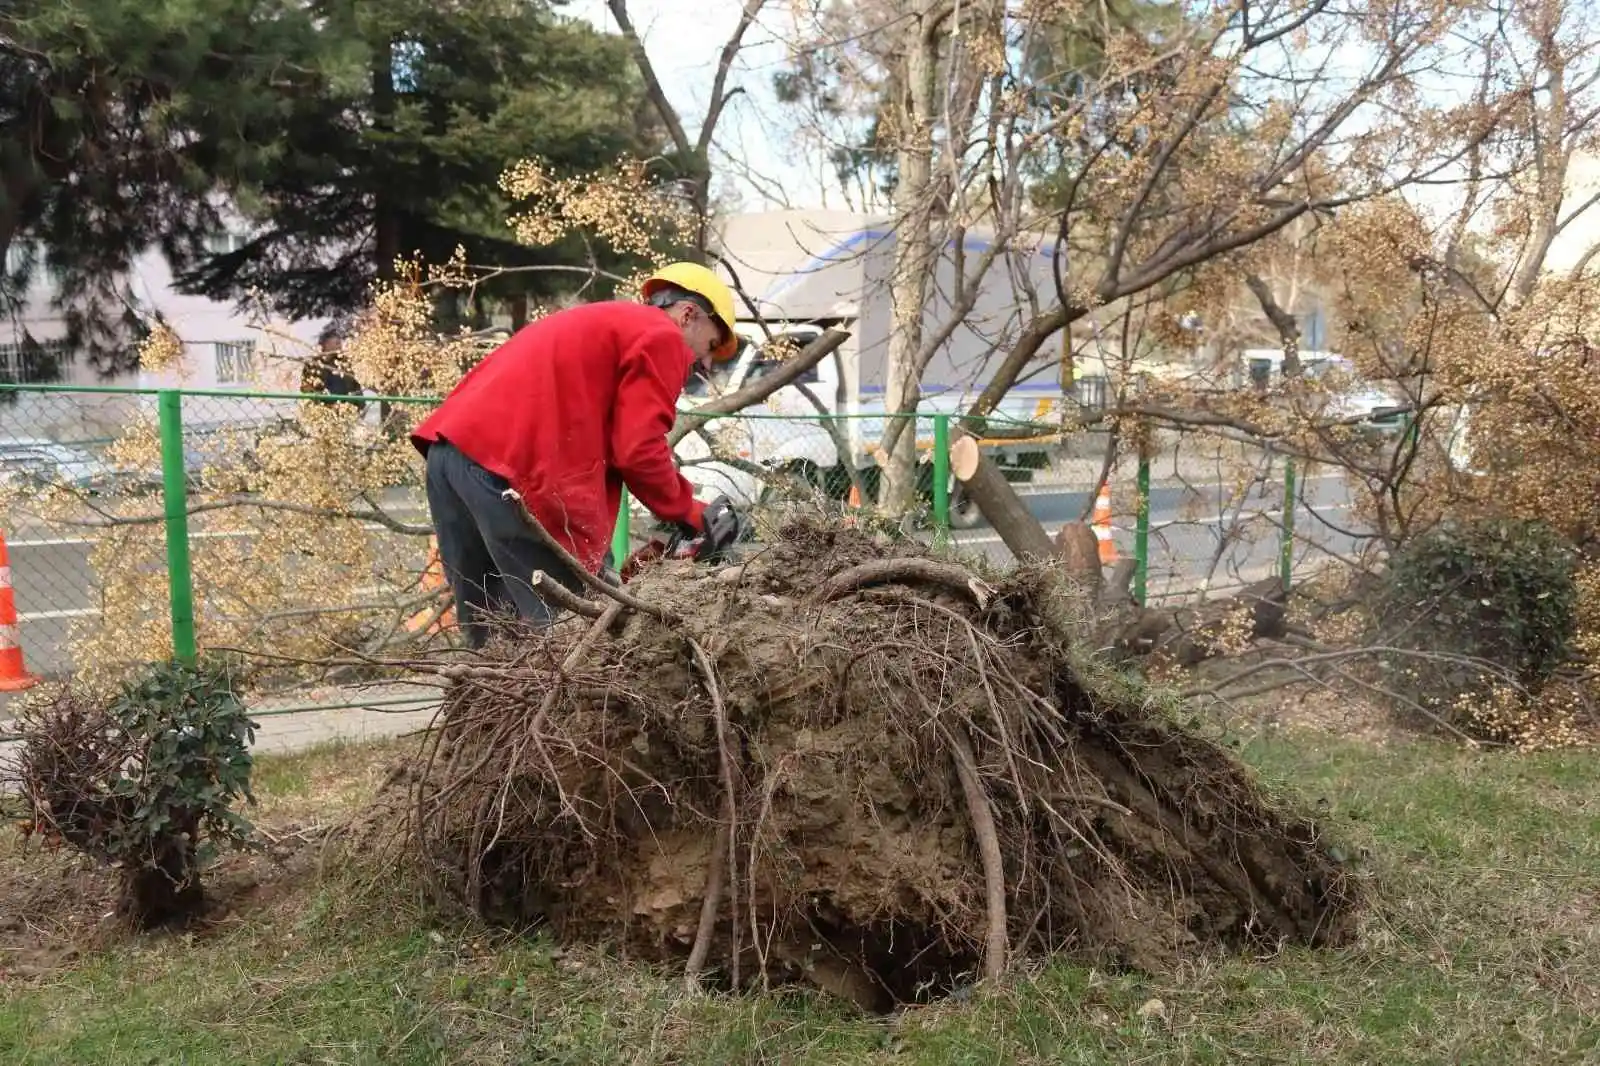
column 1494, row 600
column 146, row 781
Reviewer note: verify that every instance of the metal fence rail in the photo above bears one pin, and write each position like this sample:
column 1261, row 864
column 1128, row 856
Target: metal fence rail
column 145, row 523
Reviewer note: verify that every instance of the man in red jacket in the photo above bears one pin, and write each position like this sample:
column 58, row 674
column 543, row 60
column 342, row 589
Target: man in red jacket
column 568, row 411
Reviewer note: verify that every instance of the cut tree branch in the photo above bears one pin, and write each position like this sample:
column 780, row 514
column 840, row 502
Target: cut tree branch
column 758, row 390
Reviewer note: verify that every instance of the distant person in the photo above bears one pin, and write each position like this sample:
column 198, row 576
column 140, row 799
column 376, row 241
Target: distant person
column 569, row 410
column 328, row 370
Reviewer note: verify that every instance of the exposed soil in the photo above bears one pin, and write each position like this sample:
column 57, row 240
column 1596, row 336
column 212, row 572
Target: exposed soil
column 57, row 906
column 884, row 778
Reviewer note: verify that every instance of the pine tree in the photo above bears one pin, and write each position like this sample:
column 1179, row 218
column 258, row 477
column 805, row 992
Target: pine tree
column 347, row 134
column 116, row 122
column 408, row 162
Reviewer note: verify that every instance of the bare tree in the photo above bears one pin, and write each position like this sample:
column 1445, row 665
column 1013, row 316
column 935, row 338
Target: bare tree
column 1177, row 146
column 693, row 155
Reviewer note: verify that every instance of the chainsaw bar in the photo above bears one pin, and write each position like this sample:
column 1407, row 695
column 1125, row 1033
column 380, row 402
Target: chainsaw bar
column 677, row 545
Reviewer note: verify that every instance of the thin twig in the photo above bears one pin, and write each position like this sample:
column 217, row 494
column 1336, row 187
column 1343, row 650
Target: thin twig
column 999, row 720
column 1436, row 719
column 535, row 732
column 1337, row 656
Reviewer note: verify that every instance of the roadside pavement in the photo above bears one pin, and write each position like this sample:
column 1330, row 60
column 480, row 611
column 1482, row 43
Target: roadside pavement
column 340, row 715
column 307, row 720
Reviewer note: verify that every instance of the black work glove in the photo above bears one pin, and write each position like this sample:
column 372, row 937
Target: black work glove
column 720, row 526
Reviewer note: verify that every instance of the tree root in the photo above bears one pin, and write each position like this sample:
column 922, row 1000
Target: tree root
column 715, row 872
column 902, row 572
column 730, row 798
column 988, row 837
column 548, row 587
column 594, row 581
column 811, row 753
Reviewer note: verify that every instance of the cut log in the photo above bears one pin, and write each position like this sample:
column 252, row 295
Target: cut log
column 963, row 457
column 1189, row 634
column 993, row 495
column 1118, row 588
column 1079, row 551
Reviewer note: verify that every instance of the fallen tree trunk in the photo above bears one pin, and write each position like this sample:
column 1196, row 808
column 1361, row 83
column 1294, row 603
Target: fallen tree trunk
column 1191, row 634
column 1187, row 635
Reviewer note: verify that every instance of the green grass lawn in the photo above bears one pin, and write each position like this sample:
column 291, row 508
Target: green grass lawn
column 1482, row 948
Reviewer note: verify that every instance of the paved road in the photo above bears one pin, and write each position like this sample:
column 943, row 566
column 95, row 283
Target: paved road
column 1187, row 531
column 345, row 716
column 54, row 585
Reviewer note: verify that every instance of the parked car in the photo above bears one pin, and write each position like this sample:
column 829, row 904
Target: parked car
column 1372, row 407
column 1381, row 409
column 38, row 462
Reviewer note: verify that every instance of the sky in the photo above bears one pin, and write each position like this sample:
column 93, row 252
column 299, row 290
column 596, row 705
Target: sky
column 684, row 39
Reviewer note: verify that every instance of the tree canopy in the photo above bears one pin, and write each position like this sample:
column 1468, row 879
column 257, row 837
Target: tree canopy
column 116, row 123
column 347, row 135
column 408, row 162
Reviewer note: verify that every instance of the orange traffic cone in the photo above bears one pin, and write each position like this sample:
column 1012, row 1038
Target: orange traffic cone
column 1102, row 526
column 432, row 581
column 14, row 676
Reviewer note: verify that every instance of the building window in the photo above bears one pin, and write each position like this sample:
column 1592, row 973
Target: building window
column 1260, row 374
column 34, row 362
column 1313, row 331
column 225, row 243
column 1092, row 391
column 236, row 362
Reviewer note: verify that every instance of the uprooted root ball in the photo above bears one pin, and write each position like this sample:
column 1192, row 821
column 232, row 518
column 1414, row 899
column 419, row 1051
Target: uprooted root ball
column 850, row 764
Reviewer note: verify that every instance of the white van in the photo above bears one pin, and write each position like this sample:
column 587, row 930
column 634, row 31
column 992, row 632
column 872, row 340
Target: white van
column 807, row 271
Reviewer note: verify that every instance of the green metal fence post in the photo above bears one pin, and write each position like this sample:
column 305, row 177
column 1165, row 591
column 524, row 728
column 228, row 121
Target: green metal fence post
column 1141, row 535
column 174, row 494
column 1286, row 552
column 621, row 536
column 941, row 476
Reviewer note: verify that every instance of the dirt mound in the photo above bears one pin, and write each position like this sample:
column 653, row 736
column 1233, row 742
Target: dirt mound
column 848, row 763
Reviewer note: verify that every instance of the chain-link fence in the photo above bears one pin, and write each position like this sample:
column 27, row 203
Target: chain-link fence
column 300, row 524
column 296, row 528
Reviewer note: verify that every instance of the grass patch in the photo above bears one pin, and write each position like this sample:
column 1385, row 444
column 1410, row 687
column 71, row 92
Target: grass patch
column 324, row 781
column 1483, row 948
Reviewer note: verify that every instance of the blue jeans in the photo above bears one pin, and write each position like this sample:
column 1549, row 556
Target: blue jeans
column 488, row 552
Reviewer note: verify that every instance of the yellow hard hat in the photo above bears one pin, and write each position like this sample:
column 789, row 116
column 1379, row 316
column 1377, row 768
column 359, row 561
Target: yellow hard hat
column 692, row 277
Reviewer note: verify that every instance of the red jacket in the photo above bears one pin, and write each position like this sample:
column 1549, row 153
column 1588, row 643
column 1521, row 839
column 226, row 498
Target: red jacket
column 571, row 408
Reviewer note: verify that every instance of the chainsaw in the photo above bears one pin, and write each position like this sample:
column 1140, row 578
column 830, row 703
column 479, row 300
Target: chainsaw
column 680, row 544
